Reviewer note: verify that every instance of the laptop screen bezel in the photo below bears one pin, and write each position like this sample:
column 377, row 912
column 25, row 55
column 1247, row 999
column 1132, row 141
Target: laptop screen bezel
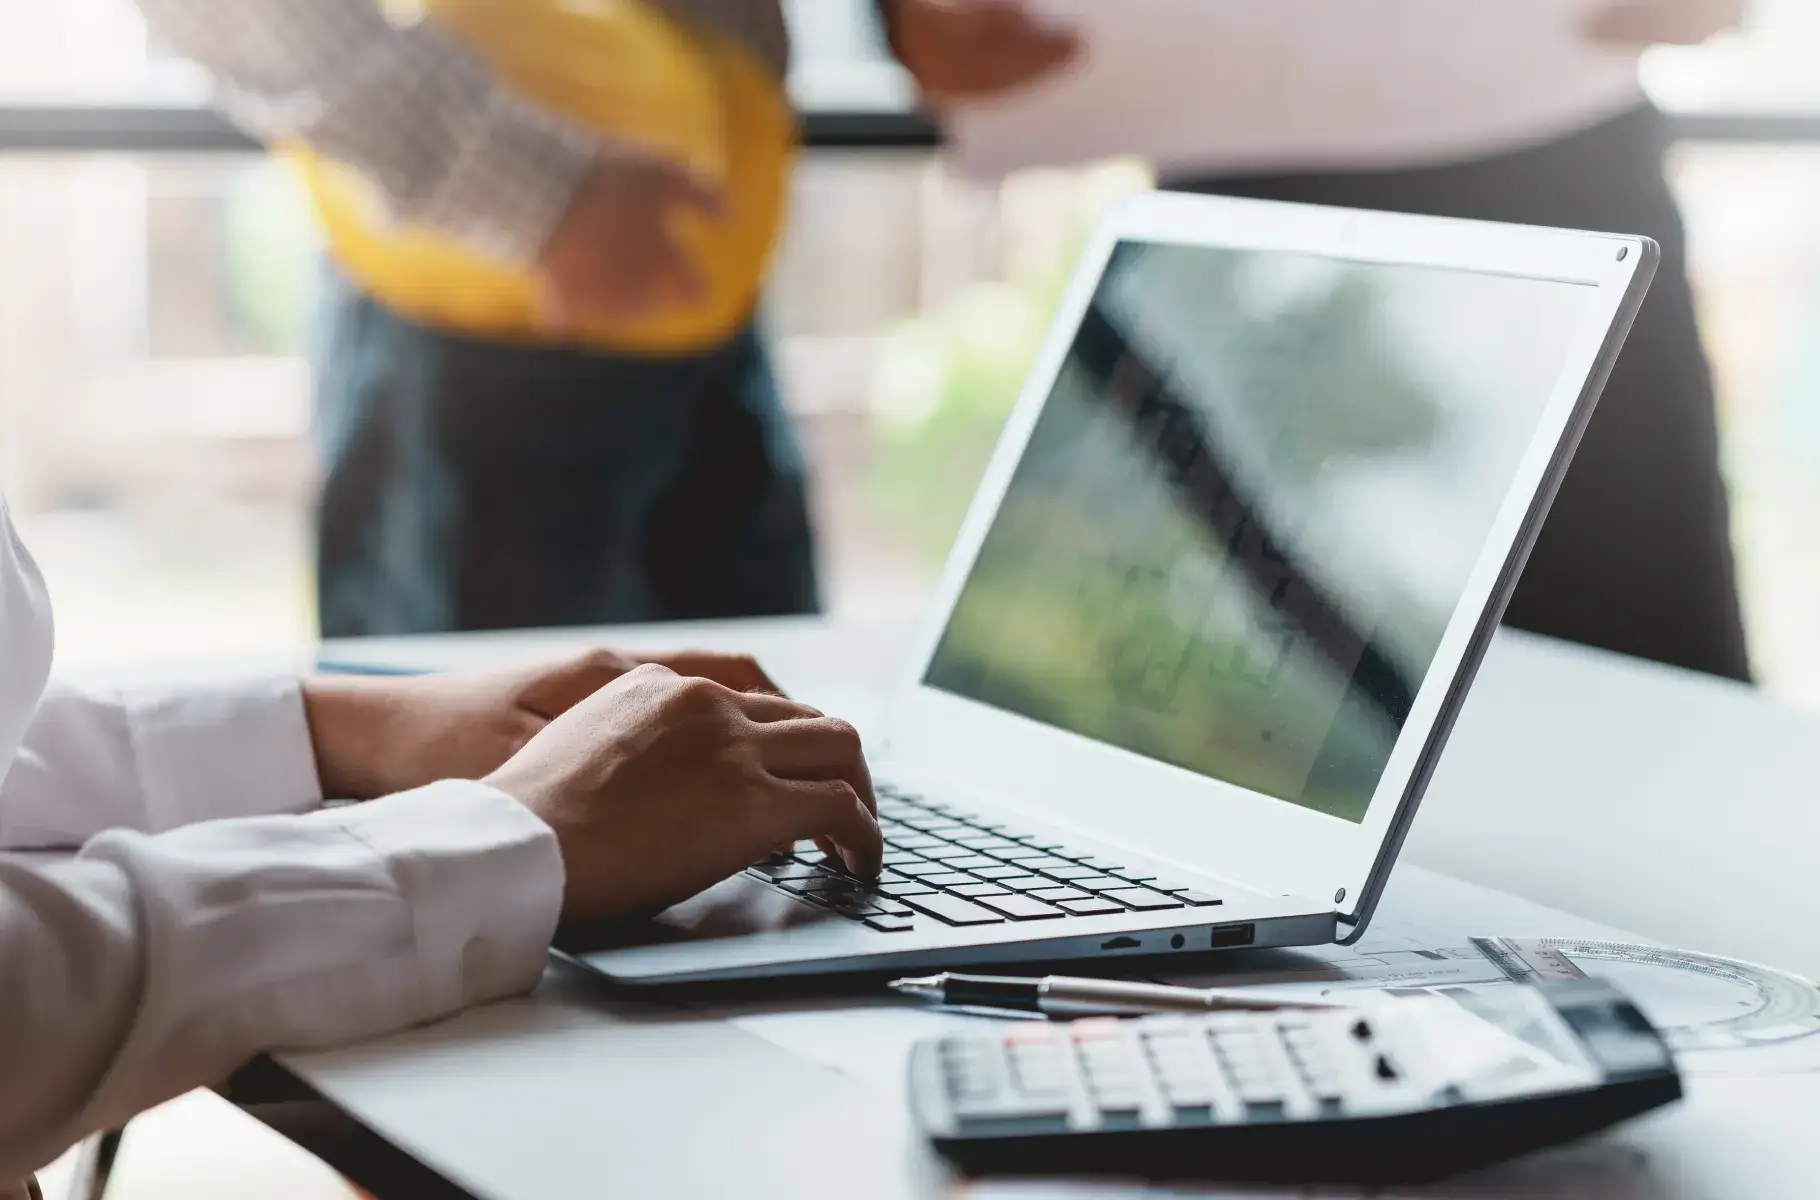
column 1205, row 825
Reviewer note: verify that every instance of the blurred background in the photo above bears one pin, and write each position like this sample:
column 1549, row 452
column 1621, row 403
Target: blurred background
column 157, row 278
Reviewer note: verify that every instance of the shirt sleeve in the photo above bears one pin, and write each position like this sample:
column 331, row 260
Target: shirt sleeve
column 152, row 759
column 150, row 965
column 447, row 145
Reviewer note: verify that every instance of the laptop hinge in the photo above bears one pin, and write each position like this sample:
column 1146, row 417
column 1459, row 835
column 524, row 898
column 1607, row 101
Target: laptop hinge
column 1353, row 928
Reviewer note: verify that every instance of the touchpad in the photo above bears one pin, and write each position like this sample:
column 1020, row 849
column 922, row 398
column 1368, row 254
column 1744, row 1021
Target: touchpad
column 738, row 907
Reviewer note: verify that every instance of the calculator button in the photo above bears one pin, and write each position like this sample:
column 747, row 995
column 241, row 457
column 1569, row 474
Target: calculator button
column 1021, row 908
column 1091, row 908
column 1144, row 900
column 953, row 909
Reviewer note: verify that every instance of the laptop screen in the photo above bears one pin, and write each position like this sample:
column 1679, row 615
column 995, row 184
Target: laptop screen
column 1249, row 509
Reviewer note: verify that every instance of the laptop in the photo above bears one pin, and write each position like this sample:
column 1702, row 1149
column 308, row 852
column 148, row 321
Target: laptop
column 1218, row 601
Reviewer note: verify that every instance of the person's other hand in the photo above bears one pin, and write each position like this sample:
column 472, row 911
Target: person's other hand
column 377, row 735
column 616, row 254
column 660, row 786
column 1636, row 24
column 969, row 49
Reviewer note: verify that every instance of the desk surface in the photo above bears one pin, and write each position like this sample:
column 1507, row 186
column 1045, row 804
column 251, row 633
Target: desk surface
column 1641, row 798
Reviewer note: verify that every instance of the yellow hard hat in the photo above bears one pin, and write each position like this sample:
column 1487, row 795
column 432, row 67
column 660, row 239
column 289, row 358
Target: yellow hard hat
column 638, row 77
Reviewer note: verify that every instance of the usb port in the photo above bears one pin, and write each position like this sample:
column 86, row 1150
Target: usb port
column 1227, row 936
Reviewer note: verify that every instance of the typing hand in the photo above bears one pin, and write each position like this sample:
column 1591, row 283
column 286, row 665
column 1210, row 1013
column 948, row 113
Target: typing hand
column 659, row 786
column 616, row 254
column 374, row 736
column 970, row 49
column 1636, row 24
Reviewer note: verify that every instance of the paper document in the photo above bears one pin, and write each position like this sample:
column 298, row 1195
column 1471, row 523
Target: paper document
column 1243, row 85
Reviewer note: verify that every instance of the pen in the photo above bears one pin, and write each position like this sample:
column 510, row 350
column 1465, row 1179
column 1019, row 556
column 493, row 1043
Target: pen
column 1060, row 995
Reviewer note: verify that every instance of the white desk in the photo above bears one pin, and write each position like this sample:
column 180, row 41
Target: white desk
column 1644, row 799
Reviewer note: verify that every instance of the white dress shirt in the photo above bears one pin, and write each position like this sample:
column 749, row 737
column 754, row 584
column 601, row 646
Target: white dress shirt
column 213, row 908
column 1239, row 86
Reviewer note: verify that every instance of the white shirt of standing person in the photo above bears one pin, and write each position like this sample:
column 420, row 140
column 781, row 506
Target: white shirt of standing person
column 175, row 898
column 1229, row 86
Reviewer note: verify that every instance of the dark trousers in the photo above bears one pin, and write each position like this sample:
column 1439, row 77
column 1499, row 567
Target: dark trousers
column 1636, row 554
column 480, row 486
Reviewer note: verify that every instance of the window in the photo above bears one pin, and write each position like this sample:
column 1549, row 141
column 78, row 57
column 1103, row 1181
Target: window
column 154, row 312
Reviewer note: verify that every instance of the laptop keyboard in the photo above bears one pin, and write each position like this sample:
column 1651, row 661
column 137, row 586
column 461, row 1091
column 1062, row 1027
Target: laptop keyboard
column 962, row 870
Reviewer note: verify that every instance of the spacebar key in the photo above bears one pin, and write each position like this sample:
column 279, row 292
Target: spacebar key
column 952, row 909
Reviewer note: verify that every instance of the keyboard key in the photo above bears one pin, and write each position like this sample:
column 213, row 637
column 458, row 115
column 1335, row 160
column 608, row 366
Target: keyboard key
column 948, row 879
column 989, row 843
column 897, row 858
column 817, row 885
column 1024, row 854
column 1000, row 871
column 1100, row 864
column 953, row 910
column 1055, row 895
column 971, row 863
column 1067, row 870
column 1145, row 900
column 1025, row 883
column 789, row 870
column 905, row 887
column 922, row 870
column 1197, row 899
column 1048, row 864
column 889, row 924
column 945, row 852
column 976, row 890
column 1092, row 907
column 1021, row 908
column 913, row 841
column 1098, row 883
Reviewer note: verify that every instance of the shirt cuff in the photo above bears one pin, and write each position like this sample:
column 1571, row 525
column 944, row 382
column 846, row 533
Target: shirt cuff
column 237, row 747
column 484, row 880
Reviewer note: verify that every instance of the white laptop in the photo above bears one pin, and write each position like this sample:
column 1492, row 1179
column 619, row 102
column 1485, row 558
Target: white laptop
column 1219, row 599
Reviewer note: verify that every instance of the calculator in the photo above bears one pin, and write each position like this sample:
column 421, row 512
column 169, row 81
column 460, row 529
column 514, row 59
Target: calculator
column 1407, row 1087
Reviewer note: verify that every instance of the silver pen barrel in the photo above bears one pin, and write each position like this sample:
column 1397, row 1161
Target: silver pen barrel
column 1062, row 996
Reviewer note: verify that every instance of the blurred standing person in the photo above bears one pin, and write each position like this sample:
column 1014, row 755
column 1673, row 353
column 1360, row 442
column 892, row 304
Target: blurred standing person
column 1636, row 554
column 542, row 398
column 490, row 462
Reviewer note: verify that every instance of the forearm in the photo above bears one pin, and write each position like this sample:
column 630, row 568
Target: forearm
column 408, row 105
column 152, row 965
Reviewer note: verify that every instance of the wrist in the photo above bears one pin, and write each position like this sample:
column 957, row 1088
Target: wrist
column 346, row 724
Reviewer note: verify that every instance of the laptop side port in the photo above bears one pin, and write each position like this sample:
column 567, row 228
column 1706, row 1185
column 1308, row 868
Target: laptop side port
column 1225, row 937
column 1121, row 943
